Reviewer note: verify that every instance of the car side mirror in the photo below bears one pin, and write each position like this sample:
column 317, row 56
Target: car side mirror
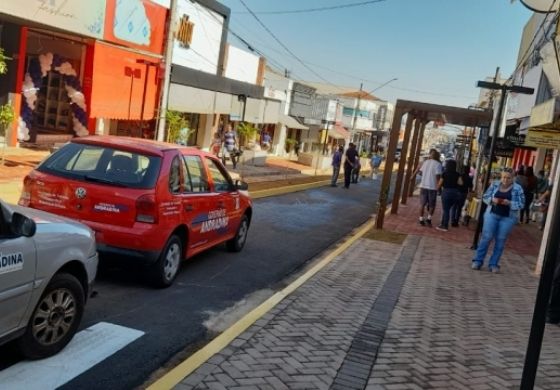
column 22, row 225
column 241, row 185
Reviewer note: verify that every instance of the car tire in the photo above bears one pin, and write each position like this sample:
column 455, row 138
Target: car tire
column 237, row 243
column 55, row 319
column 166, row 268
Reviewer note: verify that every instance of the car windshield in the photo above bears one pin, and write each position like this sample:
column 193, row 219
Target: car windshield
column 103, row 165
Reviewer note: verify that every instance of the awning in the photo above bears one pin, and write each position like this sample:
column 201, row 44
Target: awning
column 291, row 122
column 339, row 132
column 189, row 99
column 222, row 104
column 254, row 111
column 271, row 111
column 118, row 82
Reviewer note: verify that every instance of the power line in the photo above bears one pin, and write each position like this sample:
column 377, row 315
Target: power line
column 541, row 26
column 319, row 9
column 282, row 44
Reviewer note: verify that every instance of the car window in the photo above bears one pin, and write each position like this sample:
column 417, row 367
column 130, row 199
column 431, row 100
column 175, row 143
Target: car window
column 195, row 175
column 103, row 165
column 175, row 176
column 222, row 182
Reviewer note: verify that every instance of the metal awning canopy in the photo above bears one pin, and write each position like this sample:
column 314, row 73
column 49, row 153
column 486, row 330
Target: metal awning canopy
column 418, row 115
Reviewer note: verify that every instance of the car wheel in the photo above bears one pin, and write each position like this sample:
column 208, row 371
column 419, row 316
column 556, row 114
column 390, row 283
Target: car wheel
column 167, row 266
column 238, row 242
column 55, row 318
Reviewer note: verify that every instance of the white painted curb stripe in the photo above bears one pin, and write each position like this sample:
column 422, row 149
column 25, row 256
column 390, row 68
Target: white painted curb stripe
column 87, row 348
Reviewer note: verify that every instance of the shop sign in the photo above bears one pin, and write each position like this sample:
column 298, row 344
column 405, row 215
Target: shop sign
column 76, row 16
column 136, row 23
column 275, row 94
column 513, row 136
column 185, row 31
column 543, row 139
column 544, row 113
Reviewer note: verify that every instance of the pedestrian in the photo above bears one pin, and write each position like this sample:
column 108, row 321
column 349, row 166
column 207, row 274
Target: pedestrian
column 296, row 147
column 529, row 192
column 449, row 184
column 349, row 161
column 266, row 140
column 506, row 199
column 336, row 161
column 464, row 190
column 544, row 201
column 216, row 145
column 356, row 170
column 431, row 171
column 375, row 163
column 230, row 143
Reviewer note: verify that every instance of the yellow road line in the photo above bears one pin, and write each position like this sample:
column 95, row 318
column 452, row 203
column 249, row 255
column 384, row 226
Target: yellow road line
column 177, row 374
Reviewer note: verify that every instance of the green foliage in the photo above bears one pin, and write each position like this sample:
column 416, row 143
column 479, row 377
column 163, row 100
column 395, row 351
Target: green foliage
column 7, row 116
column 246, row 130
column 177, row 127
column 291, row 141
column 3, row 64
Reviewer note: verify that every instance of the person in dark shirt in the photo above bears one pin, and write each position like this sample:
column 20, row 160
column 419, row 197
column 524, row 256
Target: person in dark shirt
column 464, row 190
column 349, row 163
column 449, row 184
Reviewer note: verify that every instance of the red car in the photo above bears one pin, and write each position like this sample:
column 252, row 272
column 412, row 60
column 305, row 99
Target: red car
column 153, row 201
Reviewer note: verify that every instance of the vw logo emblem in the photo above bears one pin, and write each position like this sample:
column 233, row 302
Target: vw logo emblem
column 81, row 193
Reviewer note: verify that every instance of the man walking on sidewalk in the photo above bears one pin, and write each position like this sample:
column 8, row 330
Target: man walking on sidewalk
column 431, row 173
column 336, row 160
column 349, row 164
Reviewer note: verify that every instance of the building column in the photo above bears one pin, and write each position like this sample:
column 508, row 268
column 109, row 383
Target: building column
column 206, row 131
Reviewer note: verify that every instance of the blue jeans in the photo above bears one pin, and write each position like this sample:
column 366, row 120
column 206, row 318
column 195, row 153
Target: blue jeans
column 335, row 173
column 495, row 228
column 458, row 208
column 449, row 197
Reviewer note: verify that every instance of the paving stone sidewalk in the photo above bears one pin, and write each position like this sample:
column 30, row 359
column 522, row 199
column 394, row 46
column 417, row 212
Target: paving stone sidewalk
column 451, row 328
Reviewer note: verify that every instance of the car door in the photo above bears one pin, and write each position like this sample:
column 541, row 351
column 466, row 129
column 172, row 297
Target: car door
column 225, row 197
column 196, row 204
column 18, row 263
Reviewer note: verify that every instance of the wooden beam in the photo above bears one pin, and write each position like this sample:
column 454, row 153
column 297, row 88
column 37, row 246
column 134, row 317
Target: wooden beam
column 402, row 163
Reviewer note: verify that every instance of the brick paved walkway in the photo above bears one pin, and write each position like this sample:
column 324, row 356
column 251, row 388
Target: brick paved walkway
column 451, row 327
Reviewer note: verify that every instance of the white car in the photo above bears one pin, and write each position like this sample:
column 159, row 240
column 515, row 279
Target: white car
column 47, row 266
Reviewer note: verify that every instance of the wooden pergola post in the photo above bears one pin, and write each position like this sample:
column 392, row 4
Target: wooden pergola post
column 411, row 157
column 402, row 163
column 416, row 160
column 389, row 161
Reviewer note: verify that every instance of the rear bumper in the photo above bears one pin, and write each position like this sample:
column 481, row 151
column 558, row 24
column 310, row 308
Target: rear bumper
column 143, row 256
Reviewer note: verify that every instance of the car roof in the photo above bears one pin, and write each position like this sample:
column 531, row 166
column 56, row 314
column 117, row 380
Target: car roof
column 141, row 145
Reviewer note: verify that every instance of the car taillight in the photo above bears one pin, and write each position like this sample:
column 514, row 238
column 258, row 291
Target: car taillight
column 25, row 197
column 146, row 209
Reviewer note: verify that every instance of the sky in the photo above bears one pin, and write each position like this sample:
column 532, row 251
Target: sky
column 437, row 49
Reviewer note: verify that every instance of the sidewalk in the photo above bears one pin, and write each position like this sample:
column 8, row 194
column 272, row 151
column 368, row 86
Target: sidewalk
column 397, row 309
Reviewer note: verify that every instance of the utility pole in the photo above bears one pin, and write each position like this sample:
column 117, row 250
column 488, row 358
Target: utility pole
column 497, row 124
column 355, row 113
column 160, row 133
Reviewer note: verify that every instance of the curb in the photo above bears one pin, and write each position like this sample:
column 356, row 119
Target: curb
column 287, row 189
column 188, row 366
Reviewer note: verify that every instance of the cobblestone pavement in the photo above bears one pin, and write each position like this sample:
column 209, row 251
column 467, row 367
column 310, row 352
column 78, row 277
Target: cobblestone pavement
column 388, row 316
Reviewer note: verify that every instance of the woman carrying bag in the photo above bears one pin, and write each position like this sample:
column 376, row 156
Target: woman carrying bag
column 505, row 199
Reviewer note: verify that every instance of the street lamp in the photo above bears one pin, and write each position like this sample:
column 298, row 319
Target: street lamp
column 355, row 116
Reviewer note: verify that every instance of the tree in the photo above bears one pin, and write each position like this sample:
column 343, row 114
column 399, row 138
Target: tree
column 7, row 113
column 246, row 131
column 178, row 130
column 7, row 116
